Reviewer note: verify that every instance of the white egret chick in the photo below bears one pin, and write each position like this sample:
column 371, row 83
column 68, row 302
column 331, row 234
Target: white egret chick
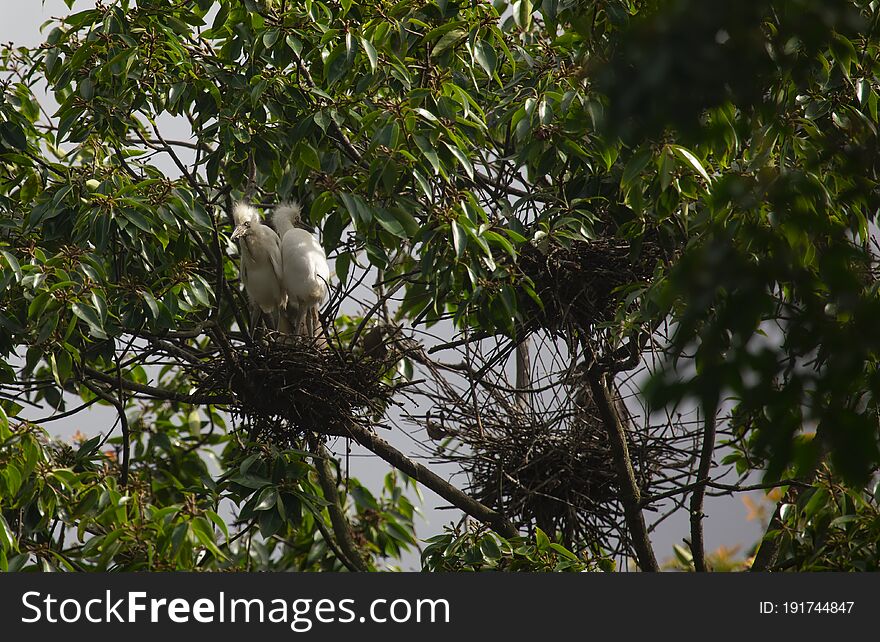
column 260, row 263
column 305, row 269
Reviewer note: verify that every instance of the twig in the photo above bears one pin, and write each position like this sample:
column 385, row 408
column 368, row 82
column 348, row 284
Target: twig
column 698, row 550
column 123, row 420
column 730, row 488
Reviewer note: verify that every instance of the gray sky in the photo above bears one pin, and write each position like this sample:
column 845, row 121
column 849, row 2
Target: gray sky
column 726, row 523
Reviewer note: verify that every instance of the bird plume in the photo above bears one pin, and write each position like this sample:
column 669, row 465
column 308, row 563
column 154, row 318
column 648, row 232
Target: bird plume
column 286, row 216
column 242, row 212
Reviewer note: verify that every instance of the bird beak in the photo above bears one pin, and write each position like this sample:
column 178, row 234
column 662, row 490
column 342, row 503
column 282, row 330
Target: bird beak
column 237, row 232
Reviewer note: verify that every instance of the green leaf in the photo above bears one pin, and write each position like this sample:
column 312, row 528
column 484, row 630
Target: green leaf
column 309, row 156
column 684, row 555
column 459, row 239
column 389, row 222
column 7, row 537
column 541, row 540
column 294, row 43
column 267, row 499
column 485, row 55
column 152, row 305
column 407, row 220
column 448, row 39
column 218, row 521
column 87, row 88
column 497, row 239
column 490, row 548
column 522, row 13
column 203, row 531
column 13, row 135
column 424, row 113
column 424, row 184
column 564, row 551
column 336, row 65
column 817, row 501
column 13, row 263
column 692, row 160
column 87, row 314
column 5, row 432
column 428, row 152
column 634, row 167
column 270, row 38
column 462, row 158
column 372, row 56
column 138, row 219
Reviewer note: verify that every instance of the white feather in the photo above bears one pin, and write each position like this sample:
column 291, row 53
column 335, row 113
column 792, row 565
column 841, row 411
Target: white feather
column 261, row 269
column 305, row 272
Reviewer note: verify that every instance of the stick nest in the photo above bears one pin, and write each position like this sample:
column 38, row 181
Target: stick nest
column 558, row 479
column 288, row 389
column 550, row 465
column 582, row 283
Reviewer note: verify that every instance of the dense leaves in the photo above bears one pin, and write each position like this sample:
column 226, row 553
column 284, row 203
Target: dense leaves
column 434, row 145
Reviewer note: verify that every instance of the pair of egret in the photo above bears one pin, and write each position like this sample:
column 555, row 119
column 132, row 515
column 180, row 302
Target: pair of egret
column 283, row 270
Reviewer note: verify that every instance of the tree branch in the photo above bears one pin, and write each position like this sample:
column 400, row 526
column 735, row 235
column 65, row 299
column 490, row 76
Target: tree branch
column 123, row 420
column 523, row 375
column 447, row 491
column 696, row 505
column 341, row 527
column 630, row 496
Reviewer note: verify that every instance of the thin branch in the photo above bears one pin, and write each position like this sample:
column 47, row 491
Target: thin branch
column 126, row 435
column 68, row 413
column 698, row 550
column 158, row 393
column 447, row 491
column 730, row 488
column 523, row 375
column 123, row 420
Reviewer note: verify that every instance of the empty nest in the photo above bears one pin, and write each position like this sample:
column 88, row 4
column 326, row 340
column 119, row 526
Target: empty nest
column 581, row 283
column 556, row 472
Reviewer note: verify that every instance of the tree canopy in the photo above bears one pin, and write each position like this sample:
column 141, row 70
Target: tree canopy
column 606, row 256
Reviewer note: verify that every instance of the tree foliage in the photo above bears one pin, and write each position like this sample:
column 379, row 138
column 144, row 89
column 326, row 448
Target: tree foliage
column 603, row 179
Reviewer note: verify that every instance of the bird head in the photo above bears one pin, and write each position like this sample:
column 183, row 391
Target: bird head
column 287, row 216
column 245, row 217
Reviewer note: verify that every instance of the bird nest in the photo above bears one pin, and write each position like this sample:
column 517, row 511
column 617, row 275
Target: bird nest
column 557, row 473
column 584, row 282
column 287, row 389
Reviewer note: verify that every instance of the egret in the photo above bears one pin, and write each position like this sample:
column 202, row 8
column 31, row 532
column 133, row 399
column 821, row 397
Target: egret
column 305, row 269
column 260, row 263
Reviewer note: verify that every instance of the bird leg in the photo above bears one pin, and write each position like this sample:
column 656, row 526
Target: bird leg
column 269, row 320
column 255, row 319
column 311, row 321
column 295, row 317
column 283, row 322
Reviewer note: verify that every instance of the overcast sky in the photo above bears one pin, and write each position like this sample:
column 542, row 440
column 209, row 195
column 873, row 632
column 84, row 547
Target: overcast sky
column 726, row 522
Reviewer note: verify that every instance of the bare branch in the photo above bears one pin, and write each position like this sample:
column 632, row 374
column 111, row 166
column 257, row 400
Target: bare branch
column 341, row 527
column 696, row 504
column 630, row 496
column 447, row 491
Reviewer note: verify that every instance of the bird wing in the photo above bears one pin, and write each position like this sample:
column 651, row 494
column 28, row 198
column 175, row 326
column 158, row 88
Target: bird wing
column 275, row 257
column 242, row 270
